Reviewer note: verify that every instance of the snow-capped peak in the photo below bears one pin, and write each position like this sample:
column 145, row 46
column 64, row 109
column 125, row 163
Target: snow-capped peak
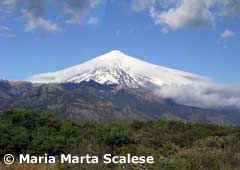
column 116, row 67
column 114, row 55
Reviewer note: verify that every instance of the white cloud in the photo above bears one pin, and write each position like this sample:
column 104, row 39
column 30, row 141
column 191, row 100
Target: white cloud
column 230, row 7
column 190, row 13
column 7, row 6
column 77, row 10
column 139, row 5
column 93, row 20
column 177, row 14
column 34, row 11
column 169, row 14
column 227, row 34
column 6, row 32
column 203, row 96
column 38, row 22
column 4, row 28
column 43, row 24
column 94, row 3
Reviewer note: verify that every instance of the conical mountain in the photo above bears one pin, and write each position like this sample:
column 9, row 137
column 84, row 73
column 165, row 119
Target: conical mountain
column 116, row 67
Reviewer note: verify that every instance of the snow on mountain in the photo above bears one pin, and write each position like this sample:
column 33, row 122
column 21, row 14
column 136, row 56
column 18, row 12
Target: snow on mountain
column 116, row 67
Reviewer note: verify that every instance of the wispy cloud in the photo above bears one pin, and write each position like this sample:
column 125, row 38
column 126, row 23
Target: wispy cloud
column 37, row 17
column 6, row 32
column 177, row 14
column 93, row 21
column 38, row 22
column 76, row 10
column 227, row 34
column 170, row 15
column 142, row 5
column 7, row 6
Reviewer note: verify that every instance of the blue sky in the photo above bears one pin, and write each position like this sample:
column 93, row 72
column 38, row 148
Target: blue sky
column 45, row 36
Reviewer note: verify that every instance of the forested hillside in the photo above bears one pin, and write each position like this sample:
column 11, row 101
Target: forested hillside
column 174, row 145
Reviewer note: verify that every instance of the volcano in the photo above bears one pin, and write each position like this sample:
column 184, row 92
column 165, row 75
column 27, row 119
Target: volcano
column 116, row 67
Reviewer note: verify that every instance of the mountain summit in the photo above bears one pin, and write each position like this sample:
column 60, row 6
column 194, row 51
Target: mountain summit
column 116, row 67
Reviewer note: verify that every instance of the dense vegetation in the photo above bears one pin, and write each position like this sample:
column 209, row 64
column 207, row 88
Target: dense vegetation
column 175, row 145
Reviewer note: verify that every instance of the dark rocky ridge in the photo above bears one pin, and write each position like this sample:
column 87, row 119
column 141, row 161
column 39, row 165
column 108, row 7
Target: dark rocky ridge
column 91, row 101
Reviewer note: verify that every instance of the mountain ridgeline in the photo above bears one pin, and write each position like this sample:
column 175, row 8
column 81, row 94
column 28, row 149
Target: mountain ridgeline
column 118, row 87
column 116, row 67
column 92, row 101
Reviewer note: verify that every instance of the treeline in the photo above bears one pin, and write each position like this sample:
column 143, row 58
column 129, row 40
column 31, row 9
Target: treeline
column 175, row 145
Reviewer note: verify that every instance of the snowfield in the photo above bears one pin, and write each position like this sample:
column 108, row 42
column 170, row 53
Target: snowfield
column 116, row 67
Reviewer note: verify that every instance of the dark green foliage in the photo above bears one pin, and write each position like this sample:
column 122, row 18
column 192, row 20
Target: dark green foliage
column 174, row 145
